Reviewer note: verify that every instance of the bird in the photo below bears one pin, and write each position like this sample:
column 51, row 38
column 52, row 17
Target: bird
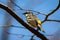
column 33, row 20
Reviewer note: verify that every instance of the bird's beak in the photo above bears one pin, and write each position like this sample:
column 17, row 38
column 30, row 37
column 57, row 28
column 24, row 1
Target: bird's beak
column 23, row 13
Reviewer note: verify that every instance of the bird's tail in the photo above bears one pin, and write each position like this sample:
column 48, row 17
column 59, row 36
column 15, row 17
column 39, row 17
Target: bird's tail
column 40, row 28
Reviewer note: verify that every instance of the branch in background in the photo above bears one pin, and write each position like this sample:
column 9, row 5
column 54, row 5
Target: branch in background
column 4, row 26
column 21, row 35
column 53, row 20
column 17, row 26
column 51, row 12
column 25, row 9
column 18, row 35
column 32, row 37
column 13, row 14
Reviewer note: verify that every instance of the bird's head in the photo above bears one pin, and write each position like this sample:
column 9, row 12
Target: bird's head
column 27, row 13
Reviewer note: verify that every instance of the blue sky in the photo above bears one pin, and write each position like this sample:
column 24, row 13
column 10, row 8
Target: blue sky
column 43, row 6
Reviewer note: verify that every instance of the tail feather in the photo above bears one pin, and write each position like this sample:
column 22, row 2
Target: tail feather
column 40, row 28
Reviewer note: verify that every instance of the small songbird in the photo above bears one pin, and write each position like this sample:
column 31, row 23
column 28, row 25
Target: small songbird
column 33, row 20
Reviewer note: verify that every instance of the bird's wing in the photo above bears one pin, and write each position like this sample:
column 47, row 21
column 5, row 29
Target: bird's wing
column 37, row 20
column 32, row 23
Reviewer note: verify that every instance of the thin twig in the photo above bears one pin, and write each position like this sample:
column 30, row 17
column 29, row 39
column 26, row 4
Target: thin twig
column 53, row 20
column 4, row 26
column 51, row 12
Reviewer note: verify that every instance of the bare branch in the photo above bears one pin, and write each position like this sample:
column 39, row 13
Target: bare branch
column 4, row 26
column 53, row 20
column 51, row 12
column 17, row 26
column 12, row 13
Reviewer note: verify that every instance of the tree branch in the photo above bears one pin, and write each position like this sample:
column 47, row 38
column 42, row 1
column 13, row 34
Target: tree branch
column 12, row 13
column 53, row 20
column 51, row 12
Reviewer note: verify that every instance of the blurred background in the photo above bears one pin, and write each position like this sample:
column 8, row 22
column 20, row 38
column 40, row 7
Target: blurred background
column 10, row 29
